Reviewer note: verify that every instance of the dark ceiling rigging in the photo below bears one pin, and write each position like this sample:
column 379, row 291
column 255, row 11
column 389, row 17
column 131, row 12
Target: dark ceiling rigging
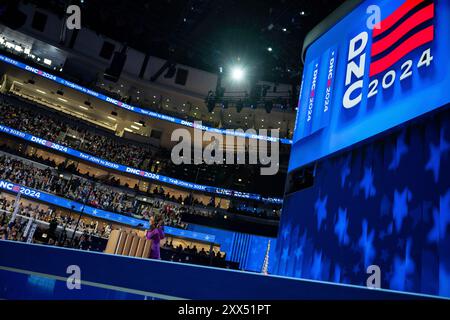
column 266, row 35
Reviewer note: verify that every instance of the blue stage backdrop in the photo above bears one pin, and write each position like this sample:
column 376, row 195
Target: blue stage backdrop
column 386, row 203
column 381, row 194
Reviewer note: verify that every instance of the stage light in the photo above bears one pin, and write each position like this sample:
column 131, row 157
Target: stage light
column 269, row 49
column 237, row 73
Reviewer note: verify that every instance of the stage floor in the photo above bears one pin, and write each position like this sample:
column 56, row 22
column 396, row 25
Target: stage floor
column 31, row 271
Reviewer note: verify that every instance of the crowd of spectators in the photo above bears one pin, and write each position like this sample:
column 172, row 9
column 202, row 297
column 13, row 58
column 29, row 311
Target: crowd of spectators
column 48, row 221
column 77, row 134
column 158, row 198
column 187, row 204
column 48, row 180
column 52, row 128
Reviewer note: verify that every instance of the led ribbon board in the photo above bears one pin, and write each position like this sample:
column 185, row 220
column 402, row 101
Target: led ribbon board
column 137, row 172
column 98, row 213
column 367, row 75
column 131, row 108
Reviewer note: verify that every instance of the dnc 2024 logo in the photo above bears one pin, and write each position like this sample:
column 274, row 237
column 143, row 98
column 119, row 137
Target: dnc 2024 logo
column 407, row 29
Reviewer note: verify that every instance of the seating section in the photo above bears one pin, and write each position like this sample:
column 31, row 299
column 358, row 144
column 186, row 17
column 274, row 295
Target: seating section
column 83, row 191
column 96, row 236
column 72, row 132
column 85, row 225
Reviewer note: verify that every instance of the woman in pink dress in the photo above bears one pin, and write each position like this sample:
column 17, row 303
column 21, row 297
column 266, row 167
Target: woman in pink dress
column 156, row 234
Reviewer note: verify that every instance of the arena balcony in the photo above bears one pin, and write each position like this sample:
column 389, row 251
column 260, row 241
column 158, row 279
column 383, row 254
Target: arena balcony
column 116, row 193
column 189, row 100
column 63, row 228
column 128, row 125
column 80, row 135
column 90, row 229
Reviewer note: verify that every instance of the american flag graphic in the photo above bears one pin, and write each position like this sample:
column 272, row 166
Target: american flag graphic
column 406, row 29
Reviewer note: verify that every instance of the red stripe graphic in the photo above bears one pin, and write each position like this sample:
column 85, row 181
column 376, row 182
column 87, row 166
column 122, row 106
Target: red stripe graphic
column 415, row 20
column 415, row 41
column 395, row 16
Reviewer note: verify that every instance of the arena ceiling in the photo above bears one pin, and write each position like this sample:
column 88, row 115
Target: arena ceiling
column 266, row 35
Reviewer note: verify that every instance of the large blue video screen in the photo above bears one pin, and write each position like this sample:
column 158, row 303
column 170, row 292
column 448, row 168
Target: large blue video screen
column 383, row 64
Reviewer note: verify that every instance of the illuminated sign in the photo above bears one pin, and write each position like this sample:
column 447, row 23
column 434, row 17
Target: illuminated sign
column 360, row 79
column 129, row 107
column 98, row 213
column 17, row 188
column 142, row 174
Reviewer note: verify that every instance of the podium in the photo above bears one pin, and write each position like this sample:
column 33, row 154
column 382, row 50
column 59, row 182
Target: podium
column 127, row 243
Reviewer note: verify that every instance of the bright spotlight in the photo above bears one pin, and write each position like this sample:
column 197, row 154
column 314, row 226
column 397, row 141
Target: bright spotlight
column 237, row 73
